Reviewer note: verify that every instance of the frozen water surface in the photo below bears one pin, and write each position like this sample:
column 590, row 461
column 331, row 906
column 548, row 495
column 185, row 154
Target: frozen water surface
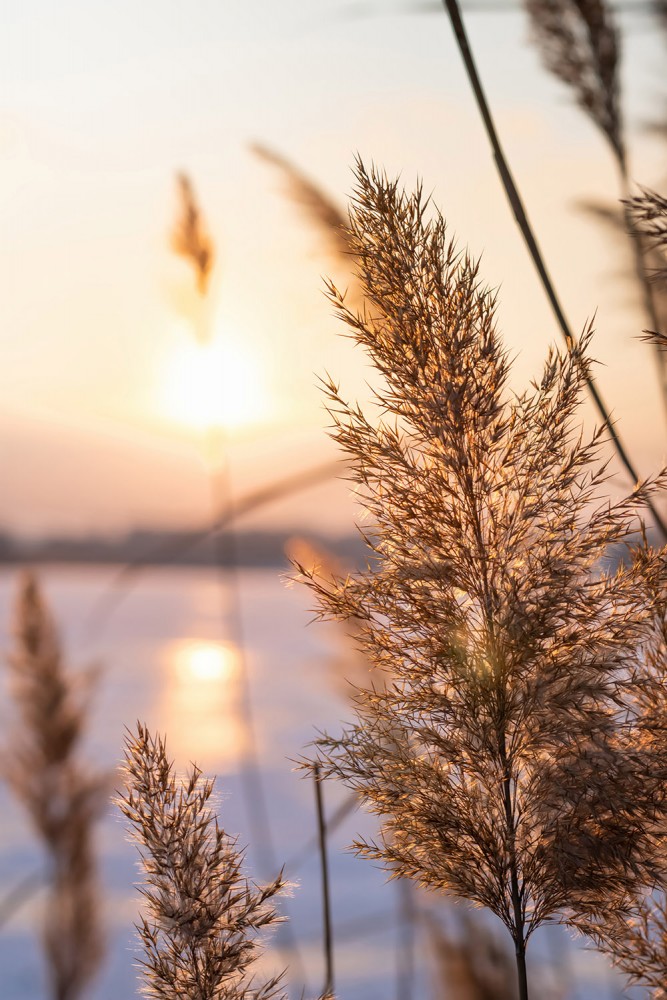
column 169, row 656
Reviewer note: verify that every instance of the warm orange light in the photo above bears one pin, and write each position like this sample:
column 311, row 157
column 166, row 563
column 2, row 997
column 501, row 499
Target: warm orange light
column 213, row 384
column 205, row 661
column 201, row 698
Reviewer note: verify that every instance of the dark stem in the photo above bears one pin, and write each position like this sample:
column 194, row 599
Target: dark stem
column 516, row 890
column 326, row 903
column 405, row 968
column 172, row 549
column 252, row 784
column 521, row 217
column 19, row 895
column 521, row 970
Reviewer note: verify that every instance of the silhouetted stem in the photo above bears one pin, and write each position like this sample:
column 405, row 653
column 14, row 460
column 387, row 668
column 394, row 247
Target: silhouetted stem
column 173, row 548
column 517, row 902
column 19, row 895
column 326, row 903
column 521, row 217
column 406, row 945
column 252, row 785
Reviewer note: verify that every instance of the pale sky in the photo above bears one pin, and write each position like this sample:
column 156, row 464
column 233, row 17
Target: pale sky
column 100, row 104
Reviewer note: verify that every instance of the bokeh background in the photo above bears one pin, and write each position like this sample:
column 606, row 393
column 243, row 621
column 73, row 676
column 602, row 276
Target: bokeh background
column 123, row 392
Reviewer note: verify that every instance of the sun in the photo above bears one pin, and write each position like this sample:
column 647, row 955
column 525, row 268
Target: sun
column 218, row 384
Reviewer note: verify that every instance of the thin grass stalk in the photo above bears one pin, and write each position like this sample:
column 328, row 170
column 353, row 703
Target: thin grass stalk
column 228, row 564
column 345, row 809
column 192, row 241
column 327, row 933
column 15, row 898
column 516, row 203
column 164, row 552
column 254, row 793
column 407, row 917
column 201, row 915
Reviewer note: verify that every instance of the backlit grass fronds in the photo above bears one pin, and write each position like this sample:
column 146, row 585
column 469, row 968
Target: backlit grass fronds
column 635, row 938
column 201, row 913
column 635, row 935
column 505, row 759
column 321, row 211
column 62, row 794
column 648, row 214
column 580, row 45
column 190, row 238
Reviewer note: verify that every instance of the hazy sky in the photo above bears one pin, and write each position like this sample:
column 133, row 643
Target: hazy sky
column 102, row 388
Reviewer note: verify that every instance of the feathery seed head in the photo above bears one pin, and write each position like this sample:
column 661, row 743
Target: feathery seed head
column 506, row 758
column 201, row 915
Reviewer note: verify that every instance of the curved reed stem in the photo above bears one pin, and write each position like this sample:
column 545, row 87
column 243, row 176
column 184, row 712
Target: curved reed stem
column 516, row 203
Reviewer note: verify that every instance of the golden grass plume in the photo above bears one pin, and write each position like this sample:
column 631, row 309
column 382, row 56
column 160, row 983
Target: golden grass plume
column 201, row 914
column 507, row 760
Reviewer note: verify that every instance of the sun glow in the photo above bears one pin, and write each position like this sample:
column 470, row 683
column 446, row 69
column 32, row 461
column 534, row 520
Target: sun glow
column 205, row 661
column 213, row 384
column 201, row 701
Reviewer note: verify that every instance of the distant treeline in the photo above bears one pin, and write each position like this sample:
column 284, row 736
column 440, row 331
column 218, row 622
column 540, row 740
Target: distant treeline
column 171, row 548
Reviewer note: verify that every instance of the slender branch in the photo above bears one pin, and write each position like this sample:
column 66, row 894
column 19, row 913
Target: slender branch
column 326, row 902
column 20, row 894
column 174, row 547
column 341, row 813
column 517, row 900
column 252, row 785
column 516, row 204
column 405, row 967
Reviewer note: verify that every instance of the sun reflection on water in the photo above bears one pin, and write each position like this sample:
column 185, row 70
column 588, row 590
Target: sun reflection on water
column 201, row 703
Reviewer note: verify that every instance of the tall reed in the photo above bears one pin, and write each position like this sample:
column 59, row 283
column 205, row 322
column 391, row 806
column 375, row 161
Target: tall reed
column 505, row 759
column 62, row 794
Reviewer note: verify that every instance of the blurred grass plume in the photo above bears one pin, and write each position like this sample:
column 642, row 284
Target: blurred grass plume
column 62, row 794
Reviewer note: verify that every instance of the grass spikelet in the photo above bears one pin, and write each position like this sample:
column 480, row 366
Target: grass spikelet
column 61, row 794
column 506, row 760
column 190, row 238
column 648, row 216
column 201, row 914
column 580, row 45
